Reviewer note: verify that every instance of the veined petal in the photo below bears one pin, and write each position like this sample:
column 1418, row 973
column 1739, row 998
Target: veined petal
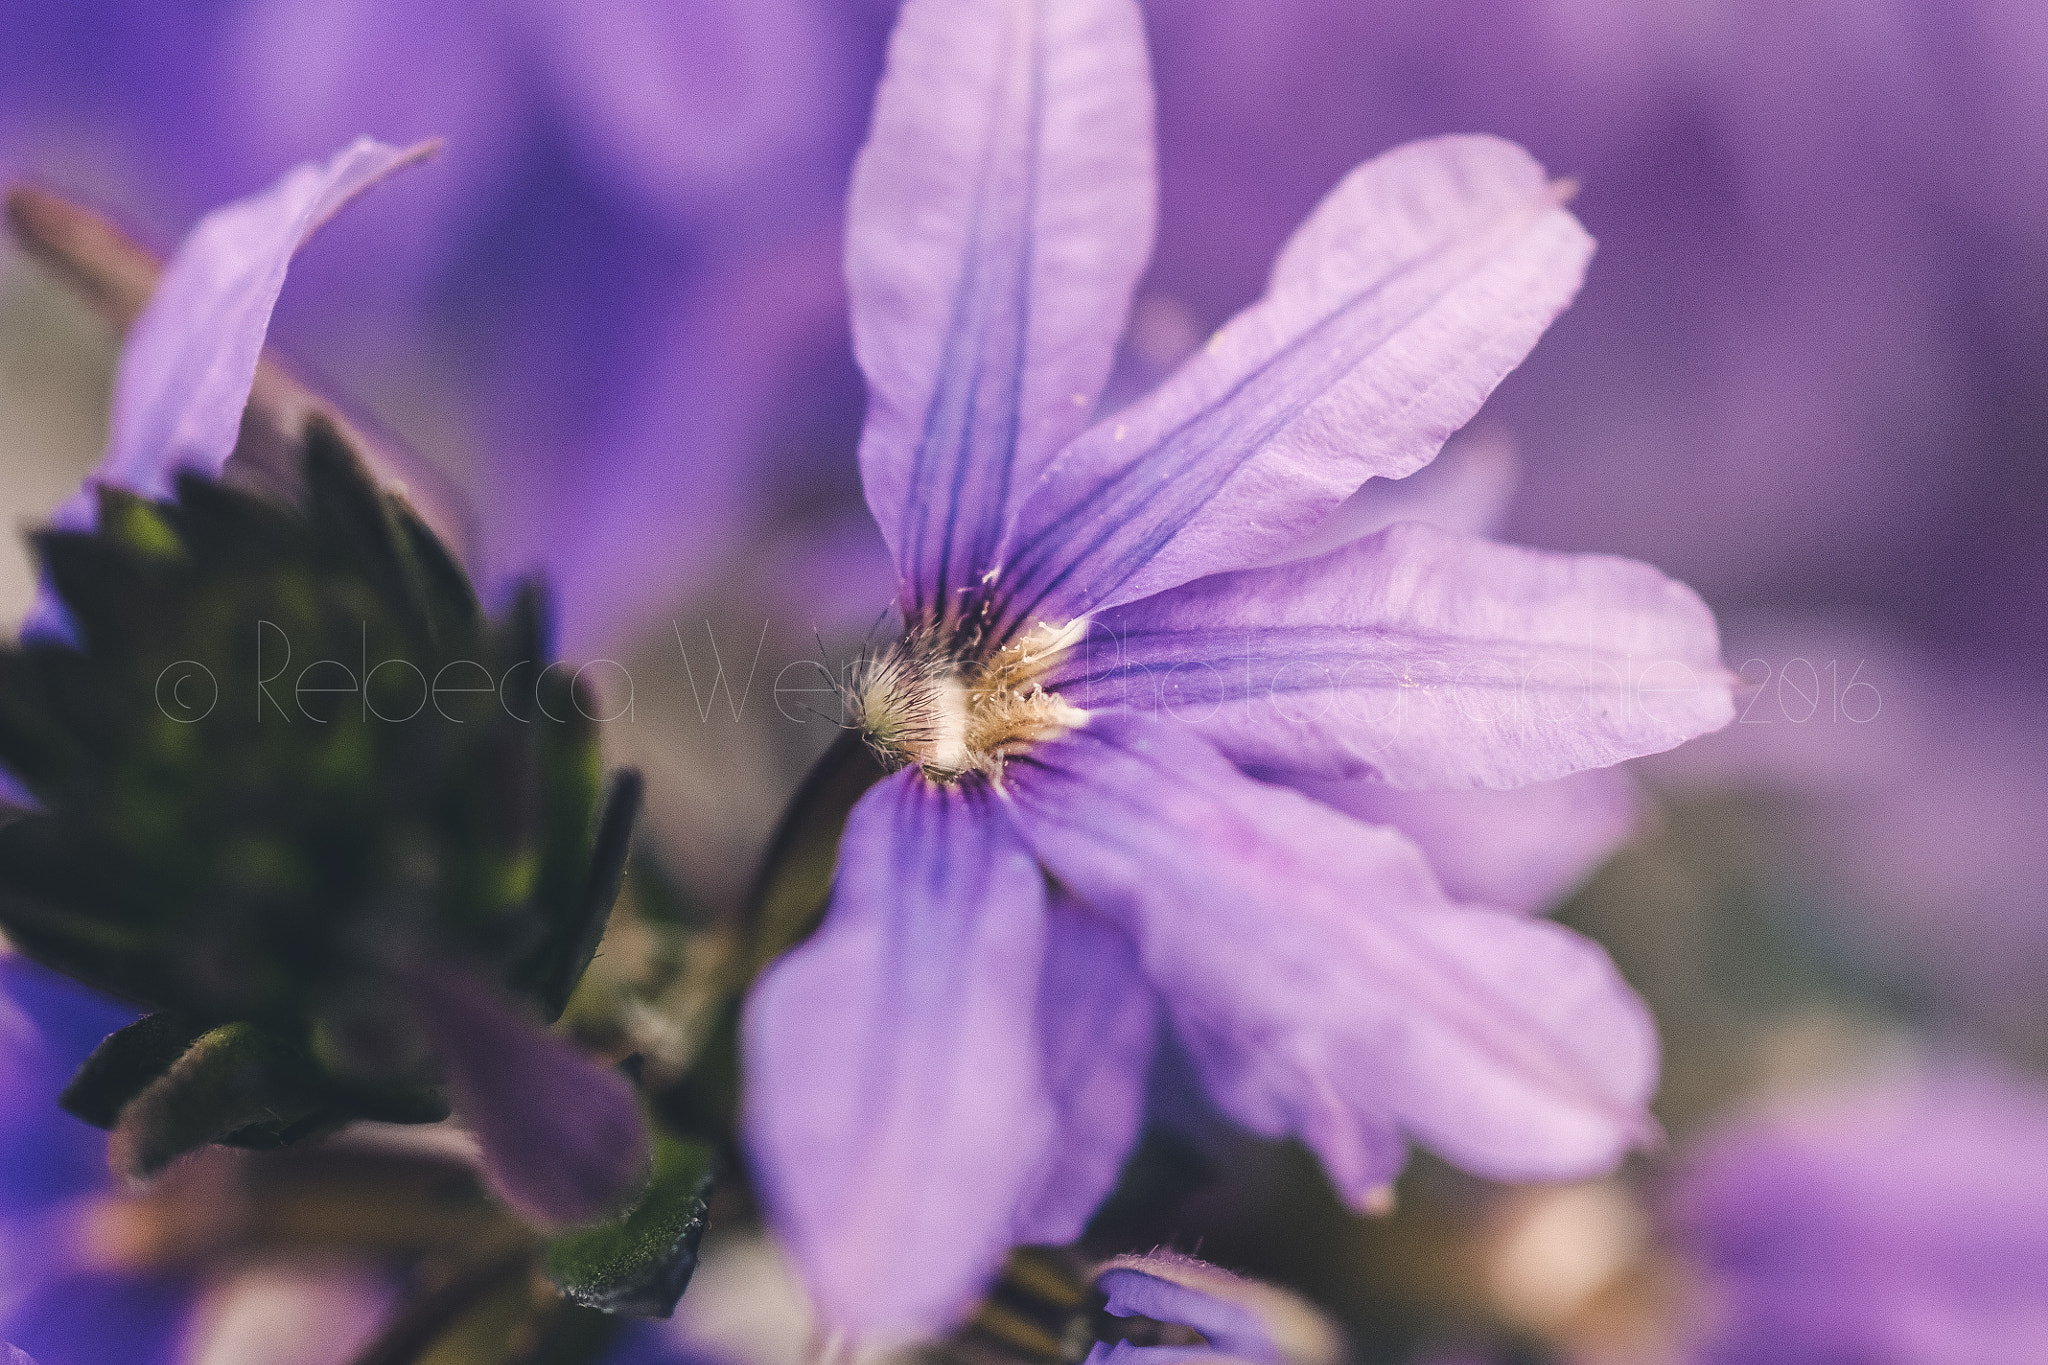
column 1001, row 213
column 1523, row 849
column 1420, row 658
column 1098, row 1027
column 1322, row 982
column 1423, row 278
column 895, row 1106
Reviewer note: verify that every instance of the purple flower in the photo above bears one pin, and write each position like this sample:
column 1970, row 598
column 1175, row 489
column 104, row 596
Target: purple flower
column 563, row 1139
column 1904, row 1220
column 1071, row 854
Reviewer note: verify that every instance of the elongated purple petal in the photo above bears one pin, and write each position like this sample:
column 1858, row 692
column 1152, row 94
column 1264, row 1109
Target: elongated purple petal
column 1520, row 850
column 188, row 365
column 895, row 1108
column 561, row 1136
column 1000, row 215
column 1420, row 658
column 1323, row 984
column 191, row 357
column 1422, row 279
column 1098, row 1027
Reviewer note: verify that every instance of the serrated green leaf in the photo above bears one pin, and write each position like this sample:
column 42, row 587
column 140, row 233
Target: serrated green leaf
column 639, row 1265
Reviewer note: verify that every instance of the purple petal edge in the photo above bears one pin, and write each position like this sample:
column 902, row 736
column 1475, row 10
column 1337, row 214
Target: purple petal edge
column 562, row 1138
column 190, row 360
column 895, row 1110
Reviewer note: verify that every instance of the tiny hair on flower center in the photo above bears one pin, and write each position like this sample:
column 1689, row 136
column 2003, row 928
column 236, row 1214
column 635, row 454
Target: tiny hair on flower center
column 952, row 712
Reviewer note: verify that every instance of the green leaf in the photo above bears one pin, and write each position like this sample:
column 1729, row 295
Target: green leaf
column 236, row 1079
column 566, row 954
column 639, row 1265
column 125, row 1064
column 788, row 897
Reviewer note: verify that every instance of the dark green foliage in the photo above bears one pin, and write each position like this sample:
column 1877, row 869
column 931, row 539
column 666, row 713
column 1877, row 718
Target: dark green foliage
column 639, row 1264
column 288, row 761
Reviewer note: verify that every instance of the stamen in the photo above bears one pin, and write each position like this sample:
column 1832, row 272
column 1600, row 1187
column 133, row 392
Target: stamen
column 925, row 701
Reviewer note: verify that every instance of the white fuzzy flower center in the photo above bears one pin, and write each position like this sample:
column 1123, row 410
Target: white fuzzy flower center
column 918, row 703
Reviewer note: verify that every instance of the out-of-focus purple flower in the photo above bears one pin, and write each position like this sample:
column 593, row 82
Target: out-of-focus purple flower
column 628, row 250
column 57, row 1301
column 1236, row 1318
column 1905, row 792
column 1809, row 367
column 1902, row 1221
column 1069, row 849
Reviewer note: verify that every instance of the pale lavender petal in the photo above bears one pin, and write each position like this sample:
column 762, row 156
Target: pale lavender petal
column 15, row 1356
column 1422, row 279
column 1098, row 1027
column 1524, row 849
column 1239, row 1319
column 1000, row 215
column 190, row 360
column 1229, row 1328
column 1321, row 981
column 189, row 363
column 561, row 1136
column 895, row 1109
column 1419, row 658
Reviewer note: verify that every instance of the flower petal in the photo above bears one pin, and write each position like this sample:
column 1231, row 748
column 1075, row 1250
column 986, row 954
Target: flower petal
column 1098, row 1027
column 895, row 1109
column 561, row 1136
column 188, row 365
column 1238, row 1319
column 1524, row 849
column 191, row 358
column 1423, row 278
column 1321, row 981
column 1420, row 658
column 1000, row 216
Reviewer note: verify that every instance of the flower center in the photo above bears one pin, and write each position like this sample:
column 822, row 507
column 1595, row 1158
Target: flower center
column 924, row 703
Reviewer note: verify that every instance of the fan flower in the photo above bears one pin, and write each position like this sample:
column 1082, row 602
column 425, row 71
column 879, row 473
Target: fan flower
column 1076, row 845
